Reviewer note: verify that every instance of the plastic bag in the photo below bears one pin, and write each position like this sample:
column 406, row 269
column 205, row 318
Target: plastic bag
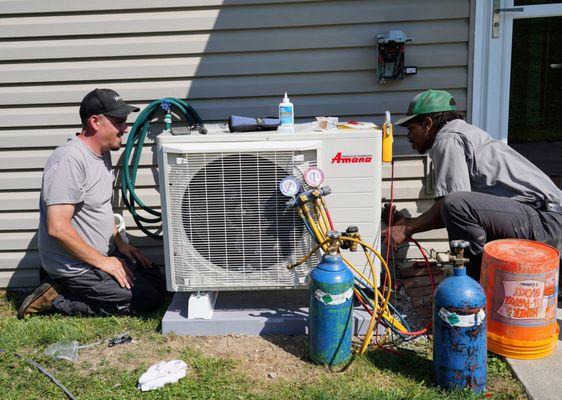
column 69, row 350
column 63, row 350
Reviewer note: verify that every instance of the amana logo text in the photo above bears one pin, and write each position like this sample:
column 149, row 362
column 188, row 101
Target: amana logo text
column 351, row 159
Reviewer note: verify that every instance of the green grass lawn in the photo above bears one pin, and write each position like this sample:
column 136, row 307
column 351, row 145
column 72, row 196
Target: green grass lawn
column 230, row 367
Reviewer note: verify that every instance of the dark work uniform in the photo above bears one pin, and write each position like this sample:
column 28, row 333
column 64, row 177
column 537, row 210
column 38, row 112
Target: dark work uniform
column 492, row 192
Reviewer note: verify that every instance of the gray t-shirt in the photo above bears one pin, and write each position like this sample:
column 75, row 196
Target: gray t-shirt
column 74, row 174
column 467, row 159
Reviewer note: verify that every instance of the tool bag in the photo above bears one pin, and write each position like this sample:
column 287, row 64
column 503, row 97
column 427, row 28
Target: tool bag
column 246, row 124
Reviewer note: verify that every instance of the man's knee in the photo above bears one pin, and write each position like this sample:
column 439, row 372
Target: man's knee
column 113, row 300
column 112, row 292
column 454, row 202
column 105, row 296
column 455, row 207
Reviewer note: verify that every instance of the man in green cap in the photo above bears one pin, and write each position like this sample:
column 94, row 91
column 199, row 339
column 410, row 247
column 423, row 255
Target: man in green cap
column 484, row 190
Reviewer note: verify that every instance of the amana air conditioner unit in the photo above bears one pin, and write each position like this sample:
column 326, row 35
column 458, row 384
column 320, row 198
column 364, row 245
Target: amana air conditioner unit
column 226, row 225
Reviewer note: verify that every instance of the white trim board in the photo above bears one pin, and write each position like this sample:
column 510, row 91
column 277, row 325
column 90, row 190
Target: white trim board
column 492, row 62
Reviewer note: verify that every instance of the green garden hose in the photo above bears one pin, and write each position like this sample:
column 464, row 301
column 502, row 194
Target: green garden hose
column 133, row 148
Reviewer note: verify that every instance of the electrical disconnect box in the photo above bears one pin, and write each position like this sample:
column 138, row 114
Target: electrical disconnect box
column 391, row 56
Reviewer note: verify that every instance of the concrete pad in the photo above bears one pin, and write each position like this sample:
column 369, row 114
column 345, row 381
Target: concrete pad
column 265, row 312
column 542, row 378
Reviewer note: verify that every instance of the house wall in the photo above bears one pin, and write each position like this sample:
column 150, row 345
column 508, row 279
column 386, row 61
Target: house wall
column 226, row 57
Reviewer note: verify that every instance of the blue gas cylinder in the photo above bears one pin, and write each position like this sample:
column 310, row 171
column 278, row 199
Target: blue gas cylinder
column 459, row 333
column 330, row 312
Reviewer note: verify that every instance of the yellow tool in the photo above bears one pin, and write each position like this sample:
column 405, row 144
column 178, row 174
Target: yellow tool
column 387, row 139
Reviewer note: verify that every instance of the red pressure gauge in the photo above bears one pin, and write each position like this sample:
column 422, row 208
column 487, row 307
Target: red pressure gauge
column 314, row 177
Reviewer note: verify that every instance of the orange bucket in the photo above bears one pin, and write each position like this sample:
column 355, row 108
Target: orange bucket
column 520, row 278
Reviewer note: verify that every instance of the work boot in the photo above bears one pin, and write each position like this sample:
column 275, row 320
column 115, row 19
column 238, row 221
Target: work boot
column 38, row 301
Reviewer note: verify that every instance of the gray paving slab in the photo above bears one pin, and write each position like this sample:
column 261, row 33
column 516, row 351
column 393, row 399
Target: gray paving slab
column 266, row 312
column 542, row 378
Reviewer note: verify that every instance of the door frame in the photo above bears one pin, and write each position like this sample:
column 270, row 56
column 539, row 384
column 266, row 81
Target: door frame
column 491, row 73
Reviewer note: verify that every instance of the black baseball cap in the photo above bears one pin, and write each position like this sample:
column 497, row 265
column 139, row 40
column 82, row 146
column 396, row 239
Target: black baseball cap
column 104, row 101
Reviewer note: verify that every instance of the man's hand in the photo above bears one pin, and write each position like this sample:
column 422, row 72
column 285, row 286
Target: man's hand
column 403, row 227
column 133, row 254
column 397, row 217
column 398, row 234
column 118, row 269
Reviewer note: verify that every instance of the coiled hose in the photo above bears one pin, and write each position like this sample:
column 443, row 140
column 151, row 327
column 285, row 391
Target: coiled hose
column 133, row 148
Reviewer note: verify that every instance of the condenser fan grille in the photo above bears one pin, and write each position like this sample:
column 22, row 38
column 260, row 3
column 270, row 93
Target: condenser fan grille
column 229, row 221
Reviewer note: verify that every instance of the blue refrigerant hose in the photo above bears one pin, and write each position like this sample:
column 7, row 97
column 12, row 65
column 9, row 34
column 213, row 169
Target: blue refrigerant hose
column 133, row 148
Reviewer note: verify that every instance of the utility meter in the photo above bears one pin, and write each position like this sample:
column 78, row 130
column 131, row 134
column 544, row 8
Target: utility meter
column 391, row 49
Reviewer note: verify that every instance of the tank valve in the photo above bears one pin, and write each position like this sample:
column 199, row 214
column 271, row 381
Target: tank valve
column 334, row 242
column 325, row 190
column 458, row 258
column 352, row 232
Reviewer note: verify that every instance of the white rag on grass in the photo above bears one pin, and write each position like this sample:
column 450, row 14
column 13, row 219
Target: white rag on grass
column 162, row 373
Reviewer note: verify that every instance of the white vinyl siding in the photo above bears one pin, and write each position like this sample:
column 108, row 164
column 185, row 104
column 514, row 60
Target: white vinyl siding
column 226, row 57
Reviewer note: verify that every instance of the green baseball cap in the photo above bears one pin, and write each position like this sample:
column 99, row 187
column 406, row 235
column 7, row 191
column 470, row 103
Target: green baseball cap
column 427, row 102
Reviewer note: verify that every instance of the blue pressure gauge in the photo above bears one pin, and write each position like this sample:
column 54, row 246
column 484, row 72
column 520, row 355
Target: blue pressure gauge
column 289, row 186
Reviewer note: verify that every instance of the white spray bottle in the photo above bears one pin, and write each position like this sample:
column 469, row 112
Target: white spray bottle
column 286, row 112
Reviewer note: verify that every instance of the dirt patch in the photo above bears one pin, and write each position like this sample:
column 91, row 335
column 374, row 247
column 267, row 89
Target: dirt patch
column 259, row 358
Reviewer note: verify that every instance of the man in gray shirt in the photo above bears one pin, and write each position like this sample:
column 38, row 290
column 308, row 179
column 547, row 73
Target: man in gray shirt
column 484, row 190
column 88, row 269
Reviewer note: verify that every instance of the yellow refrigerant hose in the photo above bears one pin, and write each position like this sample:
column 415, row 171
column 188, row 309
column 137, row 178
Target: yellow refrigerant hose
column 319, row 206
column 384, row 306
column 321, row 238
column 319, row 227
